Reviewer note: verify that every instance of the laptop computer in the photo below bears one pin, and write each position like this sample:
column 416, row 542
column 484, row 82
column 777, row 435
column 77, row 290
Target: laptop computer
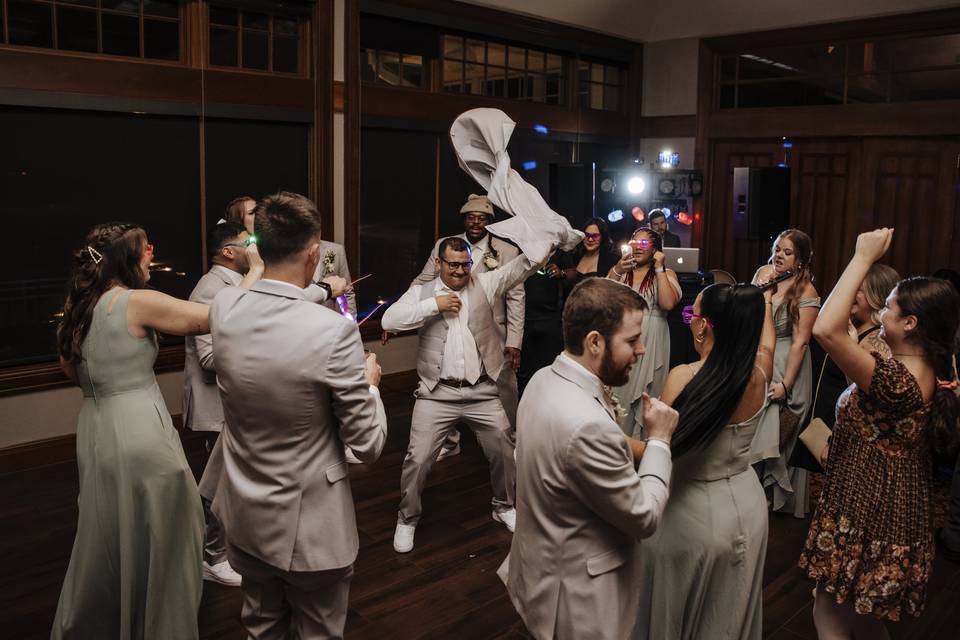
column 682, row 260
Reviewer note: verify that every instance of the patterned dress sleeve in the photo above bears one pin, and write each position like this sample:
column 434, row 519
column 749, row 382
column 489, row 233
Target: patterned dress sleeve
column 893, row 387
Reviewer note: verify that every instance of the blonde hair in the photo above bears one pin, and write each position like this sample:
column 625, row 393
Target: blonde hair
column 877, row 285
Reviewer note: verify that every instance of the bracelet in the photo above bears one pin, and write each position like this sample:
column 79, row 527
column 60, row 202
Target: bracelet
column 658, row 440
column 660, row 270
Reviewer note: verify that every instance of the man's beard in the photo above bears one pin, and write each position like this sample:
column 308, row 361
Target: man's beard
column 610, row 374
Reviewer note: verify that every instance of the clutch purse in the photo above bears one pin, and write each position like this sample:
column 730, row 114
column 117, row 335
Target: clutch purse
column 815, row 437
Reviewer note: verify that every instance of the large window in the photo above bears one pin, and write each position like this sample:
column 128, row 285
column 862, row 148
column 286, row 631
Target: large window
column 133, row 28
column 72, row 170
column 601, row 85
column 253, row 158
column 392, row 68
column 848, row 72
column 481, row 67
column 250, row 40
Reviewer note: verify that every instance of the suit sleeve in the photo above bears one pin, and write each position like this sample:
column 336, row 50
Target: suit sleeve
column 344, row 272
column 516, row 314
column 204, row 293
column 429, row 271
column 356, row 405
column 600, row 468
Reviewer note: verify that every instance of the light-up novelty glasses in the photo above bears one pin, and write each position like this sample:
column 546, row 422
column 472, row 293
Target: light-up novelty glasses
column 689, row 315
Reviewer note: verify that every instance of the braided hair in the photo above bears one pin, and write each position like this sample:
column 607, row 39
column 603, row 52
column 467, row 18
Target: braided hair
column 647, row 283
column 110, row 255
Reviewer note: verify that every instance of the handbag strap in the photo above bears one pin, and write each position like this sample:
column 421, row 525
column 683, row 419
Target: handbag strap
column 816, row 396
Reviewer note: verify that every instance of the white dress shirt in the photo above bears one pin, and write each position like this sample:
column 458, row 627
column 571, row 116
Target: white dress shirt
column 410, row 312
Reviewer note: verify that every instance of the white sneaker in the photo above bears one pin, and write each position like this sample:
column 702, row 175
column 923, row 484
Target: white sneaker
column 448, row 452
column 403, row 537
column 508, row 518
column 221, row 573
column 351, row 456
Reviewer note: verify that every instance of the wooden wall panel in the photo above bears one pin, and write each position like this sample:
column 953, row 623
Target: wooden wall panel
column 840, row 188
column 823, row 191
column 720, row 249
column 911, row 185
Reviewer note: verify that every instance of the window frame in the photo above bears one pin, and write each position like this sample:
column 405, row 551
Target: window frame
column 181, row 20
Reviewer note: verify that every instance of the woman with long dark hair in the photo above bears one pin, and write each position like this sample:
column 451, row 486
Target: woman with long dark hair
column 870, row 546
column 135, row 567
column 703, row 568
column 642, row 269
column 791, row 390
column 593, row 257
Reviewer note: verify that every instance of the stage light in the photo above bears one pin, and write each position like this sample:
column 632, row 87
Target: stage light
column 606, row 185
column 638, row 214
column 615, row 216
column 667, row 186
column 666, row 211
column 541, row 129
column 684, row 218
column 529, row 165
column 668, row 159
column 636, row 185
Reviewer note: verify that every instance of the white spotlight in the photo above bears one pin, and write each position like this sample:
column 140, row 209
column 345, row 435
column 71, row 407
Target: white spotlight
column 635, row 185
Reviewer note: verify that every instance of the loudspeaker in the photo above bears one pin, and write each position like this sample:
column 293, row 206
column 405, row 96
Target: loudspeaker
column 571, row 192
column 761, row 202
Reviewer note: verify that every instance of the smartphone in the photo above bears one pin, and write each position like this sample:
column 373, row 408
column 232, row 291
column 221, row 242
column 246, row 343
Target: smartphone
column 624, row 249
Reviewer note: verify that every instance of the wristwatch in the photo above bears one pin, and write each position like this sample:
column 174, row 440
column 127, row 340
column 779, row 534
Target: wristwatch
column 326, row 287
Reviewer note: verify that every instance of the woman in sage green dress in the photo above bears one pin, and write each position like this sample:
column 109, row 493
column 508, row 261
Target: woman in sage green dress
column 702, row 570
column 642, row 269
column 795, row 308
column 135, row 567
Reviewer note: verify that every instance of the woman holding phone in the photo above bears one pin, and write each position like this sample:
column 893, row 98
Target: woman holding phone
column 641, row 268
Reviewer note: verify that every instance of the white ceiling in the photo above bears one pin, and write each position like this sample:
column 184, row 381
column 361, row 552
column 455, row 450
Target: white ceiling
column 652, row 20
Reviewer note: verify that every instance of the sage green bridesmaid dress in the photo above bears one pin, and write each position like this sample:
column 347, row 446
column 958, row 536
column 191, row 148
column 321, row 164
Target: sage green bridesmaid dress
column 135, row 569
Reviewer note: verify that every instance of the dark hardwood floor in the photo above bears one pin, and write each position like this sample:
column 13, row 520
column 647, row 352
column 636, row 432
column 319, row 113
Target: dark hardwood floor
column 446, row 588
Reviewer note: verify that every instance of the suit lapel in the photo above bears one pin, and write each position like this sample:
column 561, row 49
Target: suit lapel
column 569, row 370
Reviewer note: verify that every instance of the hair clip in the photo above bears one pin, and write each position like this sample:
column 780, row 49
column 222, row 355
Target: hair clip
column 221, row 221
column 95, row 255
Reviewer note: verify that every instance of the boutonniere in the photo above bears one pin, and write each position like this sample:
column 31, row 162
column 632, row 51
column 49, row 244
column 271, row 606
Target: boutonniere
column 614, row 403
column 491, row 259
column 328, row 260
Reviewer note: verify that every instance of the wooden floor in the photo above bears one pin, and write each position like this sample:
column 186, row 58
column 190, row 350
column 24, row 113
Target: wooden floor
column 446, row 588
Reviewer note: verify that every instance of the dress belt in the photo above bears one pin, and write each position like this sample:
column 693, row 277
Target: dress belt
column 452, row 382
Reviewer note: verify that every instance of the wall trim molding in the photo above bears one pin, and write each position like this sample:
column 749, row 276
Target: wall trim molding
column 40, row 453
column 49, row 375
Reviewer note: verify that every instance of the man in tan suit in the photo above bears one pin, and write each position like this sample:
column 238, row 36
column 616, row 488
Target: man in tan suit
column 460, row 357
column 201, row 398
column 489, row 253
column 333, row 263
column 581, row 505
column 295, row 390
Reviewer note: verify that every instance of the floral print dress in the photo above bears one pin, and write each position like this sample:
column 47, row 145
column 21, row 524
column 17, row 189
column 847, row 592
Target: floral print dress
column 871, row 538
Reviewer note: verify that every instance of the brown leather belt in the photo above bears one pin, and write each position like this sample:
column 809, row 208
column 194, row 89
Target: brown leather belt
column 457, row 384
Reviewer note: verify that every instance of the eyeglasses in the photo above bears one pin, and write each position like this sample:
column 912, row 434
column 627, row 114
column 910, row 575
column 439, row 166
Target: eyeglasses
column 241, row 245
column 643, row 243
column 458, row 265
column 689, row 315
column 592, row 236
